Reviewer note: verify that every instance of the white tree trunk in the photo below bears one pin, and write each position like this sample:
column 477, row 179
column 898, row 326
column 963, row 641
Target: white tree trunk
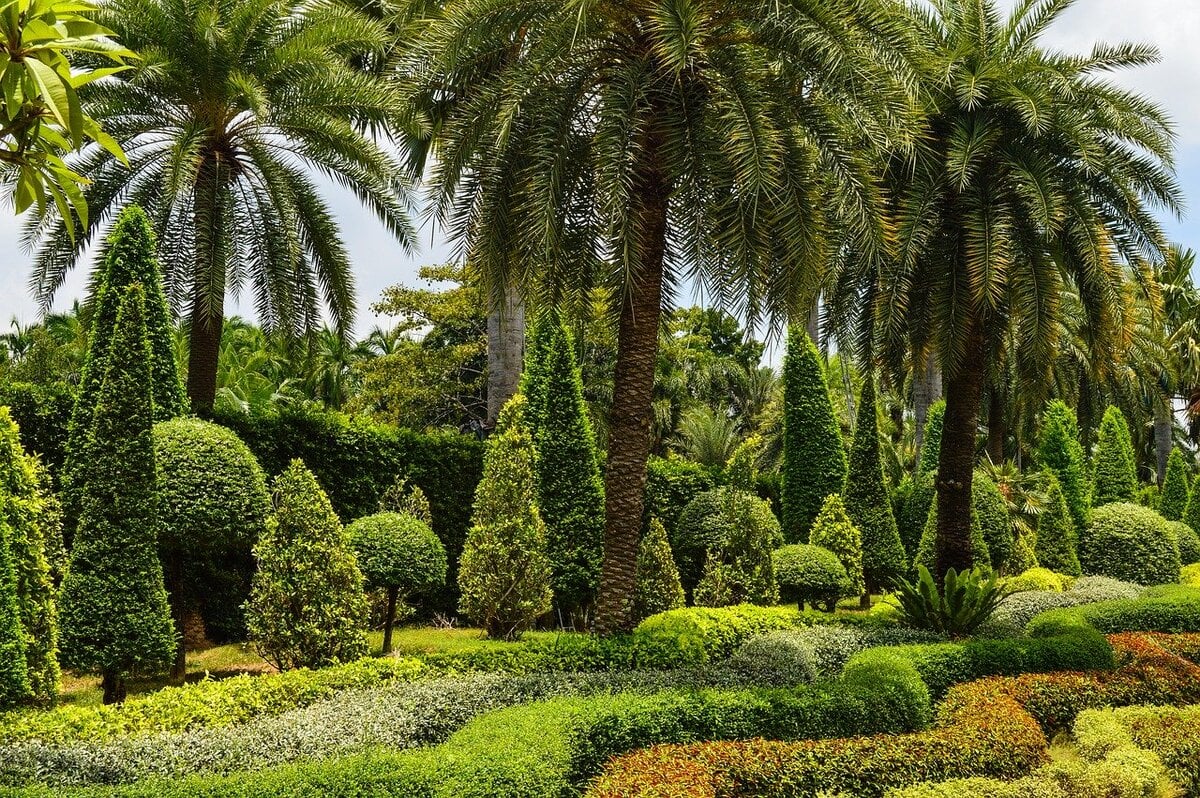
column 1164, row 427
column 506, row 351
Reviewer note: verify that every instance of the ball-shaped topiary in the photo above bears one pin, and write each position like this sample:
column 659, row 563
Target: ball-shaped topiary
column 399, row 554
column 1115, row 469
column 1037, row 579
column 834, row 531
column 1187, row 540
column 214, row 504
column 1129, row 542
column 1173, row 500
column 812, row 575
column 708, row 523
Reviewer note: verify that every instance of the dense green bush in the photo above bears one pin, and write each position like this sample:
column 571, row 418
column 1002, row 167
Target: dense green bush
column 1174, row 497
column 1191, row 513
column 42, row 412
column 658, row 585
column 115, row 616
column 699, row 635
column 570, row 494
column 504, row 575
column 400, row 555
column 213, row 503
column 811, row 575
column 926, row 551
column 777, row 659
column 1115, row 469
column 671, row 485
column 833, row 530
column 918, row 494
column 1129, row 542
column 14, row 673
column 931, row 448
column 1036, row 579
column 867, row 501
column 1187, row 540
column 307, row 608
column 992, row 511
column 1060, row 451
column 1170, row 733
column 814, row 459
column 1172, row 608
column 714, row 522
column 1057, row 541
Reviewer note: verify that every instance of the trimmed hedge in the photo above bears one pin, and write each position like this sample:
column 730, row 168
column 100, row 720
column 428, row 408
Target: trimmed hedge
column 1129, row 542
column 1171, row 733
column 1170, row 608
column 43, row 413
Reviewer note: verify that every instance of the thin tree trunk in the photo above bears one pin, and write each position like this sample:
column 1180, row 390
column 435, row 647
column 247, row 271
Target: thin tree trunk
column 113, row 686
column 631, row 417
column 174, row 573
column 926, row 390
column 1164, row 439
column 997, row 425
column 956, row 459
column 390, row 620
column 208, row 290
column 506, row 350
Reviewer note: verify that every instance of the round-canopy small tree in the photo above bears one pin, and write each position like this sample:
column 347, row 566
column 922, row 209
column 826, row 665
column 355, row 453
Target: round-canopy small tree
column 814, row 460
column 115, row 616
column 1060, row 452
column 1174, row 498
column 399, row 554
column 307, row 608
column 1115, row 467
column 659, row 588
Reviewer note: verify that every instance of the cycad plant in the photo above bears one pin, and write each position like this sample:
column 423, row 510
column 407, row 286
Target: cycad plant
column 960, row 606
column 234, row 109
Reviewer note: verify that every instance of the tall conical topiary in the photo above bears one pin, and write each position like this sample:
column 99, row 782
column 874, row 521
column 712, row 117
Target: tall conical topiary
column 1191, row 513
column 1060, row 452
column 814, row 460
column 129, row 259
column 30, row 527
column 115, row 618
column 991, row 508
column 834, row 530
column 569, row 488
column 1174, row 498
column 867, row 501
column 504, row 575
column 658, row 585
column 307, row 608
column 932, row 446
column 1115, row 478
column 1057, row 540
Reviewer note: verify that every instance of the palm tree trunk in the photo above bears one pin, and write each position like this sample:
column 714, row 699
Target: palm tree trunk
column 956, row 459
column 506, row 350
column 208, row 291
column 814, row 322
column 203, row 352
column 113, row 687
column 926, row 391
column 1164, row 428
column 631, row 417
column 997, row 425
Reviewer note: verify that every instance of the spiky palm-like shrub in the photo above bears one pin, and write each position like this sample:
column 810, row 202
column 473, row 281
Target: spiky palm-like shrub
column 867, row 501
column 833, row 530
column 1174, row 498
column 1115, row 478
column 307, row 608
column 1057, row 537
column 570, row 493
column 814, row 460
column 659, row 588
column 115, row 616
column 1060, row 452
column 504, row 574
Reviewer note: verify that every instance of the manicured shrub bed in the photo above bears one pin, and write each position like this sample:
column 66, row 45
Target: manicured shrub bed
column 1168, row 608
column 1173, row 733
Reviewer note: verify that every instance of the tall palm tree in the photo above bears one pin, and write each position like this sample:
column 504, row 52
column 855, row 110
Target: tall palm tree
column 632, row 145
column 1035, row 172
column 231, row 114
column 1181, row 328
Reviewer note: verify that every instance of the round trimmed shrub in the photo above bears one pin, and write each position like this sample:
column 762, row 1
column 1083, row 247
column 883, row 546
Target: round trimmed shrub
column 1188, row 541
column 778, row 659
column 1037, row 579
column 707, row 524
column 809, row 574
column 1092, row 589
column 1129, row 542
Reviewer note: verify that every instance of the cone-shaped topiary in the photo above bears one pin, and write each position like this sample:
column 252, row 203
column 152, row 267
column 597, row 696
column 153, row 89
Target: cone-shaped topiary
column 115, row 617
column 1191, row 513
column 1022, row 557
column 30, row 527
column 926, row 551
column 398, row 554
column 504, row 573
column 658, row 585
column 14, row 673
column 307, row 608
column 1057, row 538
column 834, row 530
column 919, row 493
column 570, row 492
column 991, row 509
column 1060, row 451
column 1174, row 498
column 1115, row 478
column 932, row 446
column 814, row 459
column 867, row 501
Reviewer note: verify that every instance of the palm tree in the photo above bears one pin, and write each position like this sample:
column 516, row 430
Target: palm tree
column 1181, row 328
column 234, row 108
column 1035, row 172
column 628, row 145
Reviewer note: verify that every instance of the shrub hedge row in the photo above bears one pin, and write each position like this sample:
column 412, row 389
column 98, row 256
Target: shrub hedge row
column 1168, row 608
column 1171, row 733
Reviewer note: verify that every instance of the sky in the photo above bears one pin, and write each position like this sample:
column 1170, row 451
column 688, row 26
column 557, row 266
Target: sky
column 1171, row 25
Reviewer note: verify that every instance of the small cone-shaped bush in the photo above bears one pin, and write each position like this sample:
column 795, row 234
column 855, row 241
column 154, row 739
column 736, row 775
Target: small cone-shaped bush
column 926, row 550
column 1022, row 557
column 932, row 446
column 1060, row 452
column 570, row 493
column 991, row 509
column 814, row 460
column 115, row 618
column 504, row 575
column 307, row 608
column 658, row 585
column 715, row 588
column 834, row 530
column 1191, row 513
column 1057, row 539
column 867, row 500
column 1174, row 498
column 1116, row 471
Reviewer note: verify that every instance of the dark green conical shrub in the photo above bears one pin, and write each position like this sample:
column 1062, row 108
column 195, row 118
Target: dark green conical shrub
column 14, row 674
column 992, row 511
column 1057, row 538
column 867, row 500
column 1174, row 498
column 918, row 495
column 115, row 618
column 1060, row 452
column 932, row 446
column 1115, row 477
column 814, row 459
